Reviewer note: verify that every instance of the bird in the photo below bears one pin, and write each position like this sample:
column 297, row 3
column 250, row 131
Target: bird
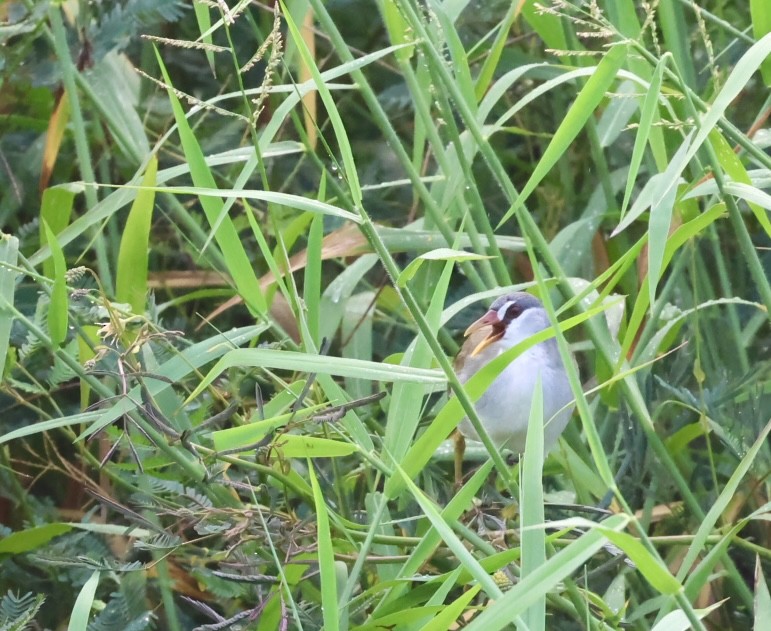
column 504, row 408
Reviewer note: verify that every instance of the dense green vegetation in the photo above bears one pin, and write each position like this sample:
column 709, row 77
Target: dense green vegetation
column 240, row 244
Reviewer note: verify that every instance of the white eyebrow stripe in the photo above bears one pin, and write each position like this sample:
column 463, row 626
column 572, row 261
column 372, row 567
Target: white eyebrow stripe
column 503, row 309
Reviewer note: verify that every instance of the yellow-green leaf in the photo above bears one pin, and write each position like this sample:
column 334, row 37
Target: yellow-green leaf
column 131, row 280
column 293, row 446
column 57, row 309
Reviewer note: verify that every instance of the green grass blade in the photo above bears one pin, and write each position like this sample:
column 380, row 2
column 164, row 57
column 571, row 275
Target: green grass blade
column 583, row 107
column 9, row 254
column 55, row 210
column 403, row 414
column 58, row 317
column 81, row 610
column 760, row 11
column 678, row 620
column 494, row 55
column 651, row 568
column 459, row 60
column 515, row 601
column 647, row 116
column 677, row 239
column 326, row 552
column 45, row 426
column 312, row 285
column 31, row 538
column 131, row 277
column 460, row 502
column 721, row 503
column 548, row 26
column 533, row 536
column 176, row 369
column 339, row 366
column 658, row 232
column 239, row 266
column 203, row 17
column 451, row 539
column 452, row 612
column 350, row 174
column 734, row 168
column 762, row 598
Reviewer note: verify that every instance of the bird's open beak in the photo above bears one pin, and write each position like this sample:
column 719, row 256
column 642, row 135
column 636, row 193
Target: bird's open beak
column 492, row 320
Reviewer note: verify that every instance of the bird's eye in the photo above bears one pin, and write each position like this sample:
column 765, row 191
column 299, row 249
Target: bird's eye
column 513, row 311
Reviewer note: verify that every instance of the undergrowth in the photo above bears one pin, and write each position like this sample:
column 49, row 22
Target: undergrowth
column 240, row 244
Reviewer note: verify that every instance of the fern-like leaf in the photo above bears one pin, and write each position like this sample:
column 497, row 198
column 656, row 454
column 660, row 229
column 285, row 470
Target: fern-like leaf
column 16, row 612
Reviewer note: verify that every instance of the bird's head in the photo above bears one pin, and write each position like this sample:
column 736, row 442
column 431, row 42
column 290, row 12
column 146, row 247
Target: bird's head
column 504, row 314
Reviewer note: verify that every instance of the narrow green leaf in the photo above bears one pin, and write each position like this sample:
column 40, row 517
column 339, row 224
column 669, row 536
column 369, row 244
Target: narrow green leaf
column 400, row 619
column 733, row 166
column 440, row 254
column 448, row 36
column 341, row 367
column 239, row 266
column 312, row 285
column 403, row 414
column 31, row 538
column 496, row 50
column 326, row 552
column 762, row 598
column 452, row 612
column 658, row 233
column 675, row 241
column 247, row 435
column 534, row 538
column 203, row 17
column 719, row 506
column 647, row 115
column 583, row 107
column 655, row 189
column 514, row 602
column 294, row 446
column 398, row 30
column 548, row 26
column 655, row 573
column 55, row 210
column 81, row 611
column 131, row 278
column 350, row 173
column 9, row 254
column 679, row 621
column 271, row 197
column 58, row 317
column 460, row 502
column 44, row 426
column 450, row 538
column 671, row 20
column 760, row 11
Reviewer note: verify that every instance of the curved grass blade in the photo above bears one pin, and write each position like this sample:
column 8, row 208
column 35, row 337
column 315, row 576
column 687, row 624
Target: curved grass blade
column 533, row 538
column 306, row 362
column 515, row 601
column 326, row 553
column 239, row 266
column 575, row 119
column 82, row 608
column 57, row 310
column 131, row 277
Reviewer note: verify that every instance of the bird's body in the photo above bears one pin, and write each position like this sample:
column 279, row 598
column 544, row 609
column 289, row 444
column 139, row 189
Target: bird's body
column 504, row 408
